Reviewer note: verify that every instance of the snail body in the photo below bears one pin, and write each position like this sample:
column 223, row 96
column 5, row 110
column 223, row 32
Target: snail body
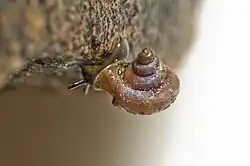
column 144, row 86
column 90, row 68
column 120, row 51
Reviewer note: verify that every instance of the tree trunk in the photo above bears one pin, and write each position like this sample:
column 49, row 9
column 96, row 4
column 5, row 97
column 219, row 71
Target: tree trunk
column 38, row 28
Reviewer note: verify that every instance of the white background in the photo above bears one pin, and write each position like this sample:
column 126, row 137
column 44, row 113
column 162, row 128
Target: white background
column 213, row 126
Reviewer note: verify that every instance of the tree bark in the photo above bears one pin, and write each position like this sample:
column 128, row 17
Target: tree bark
column 33, row 29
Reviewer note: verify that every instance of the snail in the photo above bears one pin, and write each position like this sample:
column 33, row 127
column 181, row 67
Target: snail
column 144, row 86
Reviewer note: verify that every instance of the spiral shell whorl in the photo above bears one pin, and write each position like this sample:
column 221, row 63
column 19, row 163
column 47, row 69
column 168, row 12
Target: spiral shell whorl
column 145, row 63
column 139, row 93
column 146, row 71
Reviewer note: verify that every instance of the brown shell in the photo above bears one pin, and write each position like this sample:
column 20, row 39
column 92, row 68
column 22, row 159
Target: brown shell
column 155, row 99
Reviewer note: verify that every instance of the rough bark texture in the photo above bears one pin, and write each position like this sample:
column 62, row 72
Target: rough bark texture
column 40, row 38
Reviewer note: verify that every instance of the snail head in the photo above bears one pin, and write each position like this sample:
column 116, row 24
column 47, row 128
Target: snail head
column 117, row 50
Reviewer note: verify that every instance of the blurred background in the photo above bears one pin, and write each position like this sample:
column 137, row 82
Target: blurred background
column 207, row 125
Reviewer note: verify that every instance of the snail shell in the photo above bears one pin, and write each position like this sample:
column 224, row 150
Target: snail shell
column 144, row 86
